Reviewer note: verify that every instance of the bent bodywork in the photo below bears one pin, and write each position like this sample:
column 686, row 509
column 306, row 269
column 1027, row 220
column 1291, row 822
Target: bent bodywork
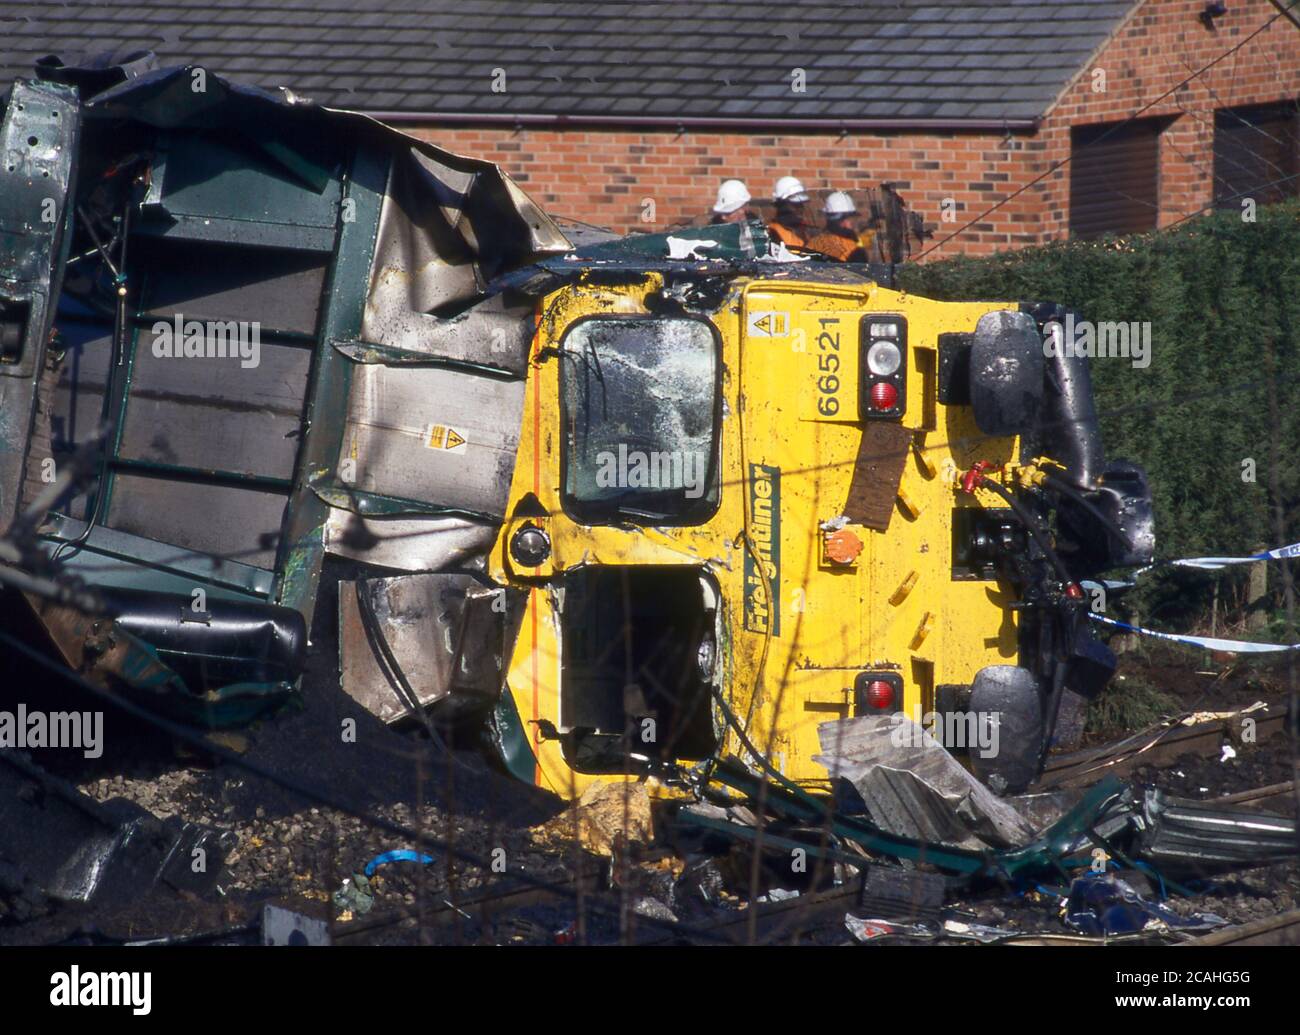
column 747, row 502
column 254, row 315
column 638, row 505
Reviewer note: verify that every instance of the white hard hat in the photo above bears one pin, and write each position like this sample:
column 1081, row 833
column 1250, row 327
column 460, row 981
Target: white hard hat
column 731, row 195
column 789, row 189
column 839, row 204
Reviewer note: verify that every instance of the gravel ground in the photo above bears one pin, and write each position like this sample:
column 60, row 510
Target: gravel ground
column 300, row 854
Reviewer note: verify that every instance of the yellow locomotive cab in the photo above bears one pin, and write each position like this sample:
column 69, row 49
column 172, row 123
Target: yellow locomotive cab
column 736, row 519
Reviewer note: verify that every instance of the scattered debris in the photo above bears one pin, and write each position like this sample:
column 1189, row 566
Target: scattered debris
column 398, row 855
column 866, row 930
column 914, row 787
column 976, row 932
column 285, row 927
column 607, row 816
column 1103, row 904
column 64, row 846
column 356, row 896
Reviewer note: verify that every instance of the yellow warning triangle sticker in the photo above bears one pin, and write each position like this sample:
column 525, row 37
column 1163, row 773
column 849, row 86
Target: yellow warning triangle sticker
column 442, row 436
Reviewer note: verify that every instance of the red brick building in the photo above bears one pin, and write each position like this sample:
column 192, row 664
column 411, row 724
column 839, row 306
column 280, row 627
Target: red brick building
column 1095, row 115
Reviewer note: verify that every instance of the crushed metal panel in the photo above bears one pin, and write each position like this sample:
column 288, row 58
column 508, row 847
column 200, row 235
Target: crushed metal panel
column 444, row 438
column 1178, row 834
column 418, row 235
column 410, row 544
column 489, row 627
column 38, row 148
column 494, row 333
column 417, row 621
column 245, row 182
column 197, row 227
column 914, row 787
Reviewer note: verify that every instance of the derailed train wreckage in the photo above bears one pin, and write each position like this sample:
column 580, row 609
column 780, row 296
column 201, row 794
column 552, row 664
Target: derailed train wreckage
column 635, row 505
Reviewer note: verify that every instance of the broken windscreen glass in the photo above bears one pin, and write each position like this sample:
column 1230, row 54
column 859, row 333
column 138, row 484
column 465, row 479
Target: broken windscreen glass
column 640, row 408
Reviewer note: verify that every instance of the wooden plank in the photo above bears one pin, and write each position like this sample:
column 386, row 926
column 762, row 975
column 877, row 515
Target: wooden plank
column 1283, row 929
column 876, row 474
column 1153, row 747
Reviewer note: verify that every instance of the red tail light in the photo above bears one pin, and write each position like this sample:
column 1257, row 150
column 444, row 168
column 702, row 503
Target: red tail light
column 884, row 396
column 878, row 692
column 879, row 695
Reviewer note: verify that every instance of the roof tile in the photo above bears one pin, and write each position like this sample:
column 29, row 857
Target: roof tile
column 877, row 59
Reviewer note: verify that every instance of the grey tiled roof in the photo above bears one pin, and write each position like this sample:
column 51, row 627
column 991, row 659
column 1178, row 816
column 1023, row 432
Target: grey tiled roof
column 863, row 59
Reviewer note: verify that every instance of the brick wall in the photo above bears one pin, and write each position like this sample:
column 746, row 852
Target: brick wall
column 1160, row 46
column 606, row 176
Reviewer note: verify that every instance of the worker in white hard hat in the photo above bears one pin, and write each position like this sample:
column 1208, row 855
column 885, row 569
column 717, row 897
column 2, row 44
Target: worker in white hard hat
column 790, row 225
column 841, row 240
column 733, row 197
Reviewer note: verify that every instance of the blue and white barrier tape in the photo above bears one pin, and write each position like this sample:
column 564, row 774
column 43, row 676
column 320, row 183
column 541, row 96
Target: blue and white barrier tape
column 1211, row 563
column 1215, row 563
column 1204, row 564
column 1206, row 642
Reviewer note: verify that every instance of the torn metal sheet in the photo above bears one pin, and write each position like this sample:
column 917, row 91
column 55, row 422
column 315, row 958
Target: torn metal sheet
column 413, row 620
column 77, row 850
column 38, row 140
column 912, row 786
column 411, row 544
column 436, row 633
column 493, row 334
column 422, row 276
column 1200, row 836
column 1060, row 845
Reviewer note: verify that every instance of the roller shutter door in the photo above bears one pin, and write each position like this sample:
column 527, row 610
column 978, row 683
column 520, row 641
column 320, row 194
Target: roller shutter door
column 1115, row 178
column 1254, row 149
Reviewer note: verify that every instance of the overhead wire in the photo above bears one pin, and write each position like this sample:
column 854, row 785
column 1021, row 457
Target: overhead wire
column 1056, row 166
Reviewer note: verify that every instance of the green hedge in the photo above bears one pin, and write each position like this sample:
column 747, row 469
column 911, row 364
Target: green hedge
column 1223, row 298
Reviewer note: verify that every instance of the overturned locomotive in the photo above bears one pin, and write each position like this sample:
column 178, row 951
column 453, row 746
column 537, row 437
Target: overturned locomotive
column 279, row 380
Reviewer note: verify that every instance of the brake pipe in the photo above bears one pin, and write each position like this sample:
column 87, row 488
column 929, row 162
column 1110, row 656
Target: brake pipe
column 976, row 478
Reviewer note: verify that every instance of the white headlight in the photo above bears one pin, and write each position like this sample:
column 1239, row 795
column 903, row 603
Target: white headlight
column 883, row 358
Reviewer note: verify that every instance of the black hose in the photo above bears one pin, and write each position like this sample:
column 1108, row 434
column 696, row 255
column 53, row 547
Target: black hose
column 1031, row 526
column 392, row 669
column 757, row 755
column 1105, row 520
column 1053, row 710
